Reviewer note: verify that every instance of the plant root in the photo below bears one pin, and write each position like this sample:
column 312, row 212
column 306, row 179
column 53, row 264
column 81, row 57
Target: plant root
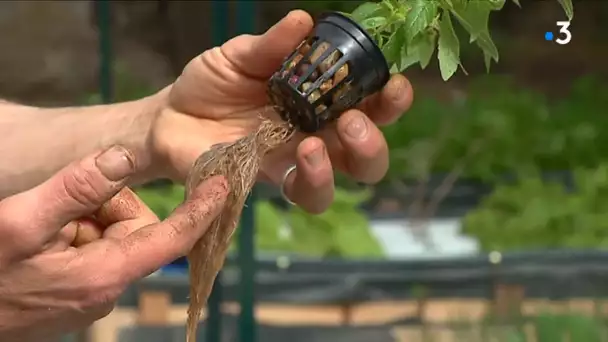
column 239, row 162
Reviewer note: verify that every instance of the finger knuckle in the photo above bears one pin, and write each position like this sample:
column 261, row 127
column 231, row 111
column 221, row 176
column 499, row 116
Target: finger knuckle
column 83, row 186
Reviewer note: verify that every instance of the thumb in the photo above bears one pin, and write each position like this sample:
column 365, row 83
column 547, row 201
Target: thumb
column 260, row 56
column 77, row 190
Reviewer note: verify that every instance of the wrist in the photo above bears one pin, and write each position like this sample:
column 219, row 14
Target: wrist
column 47, row 139
column 139, row 138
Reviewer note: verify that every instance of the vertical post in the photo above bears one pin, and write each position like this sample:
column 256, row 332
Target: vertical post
column 247, row 267
column 213, row 328
column 103, row 16
column 245, row 19
column 103, row 19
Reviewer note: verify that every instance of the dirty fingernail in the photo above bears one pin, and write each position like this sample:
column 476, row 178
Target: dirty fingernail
column 396, row 88
column 115, row 163
column 316, row 157
column 357, row 128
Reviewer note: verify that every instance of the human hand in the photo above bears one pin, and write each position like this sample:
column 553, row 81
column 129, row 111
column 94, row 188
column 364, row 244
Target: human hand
column 70, row 246
column 218, row 98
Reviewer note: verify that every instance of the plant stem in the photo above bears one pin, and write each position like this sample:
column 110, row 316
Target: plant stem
column 417, row 209
column 448, row 183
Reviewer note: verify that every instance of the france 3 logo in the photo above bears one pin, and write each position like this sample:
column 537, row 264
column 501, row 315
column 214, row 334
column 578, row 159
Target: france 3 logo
column 564, row 35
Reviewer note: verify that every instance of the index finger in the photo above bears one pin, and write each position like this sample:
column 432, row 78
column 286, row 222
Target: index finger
column 149, row 248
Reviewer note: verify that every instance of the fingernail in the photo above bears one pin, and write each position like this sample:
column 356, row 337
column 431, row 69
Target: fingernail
column 115, row 163
column 396, row 90
column 357, row 128
column 316, row 157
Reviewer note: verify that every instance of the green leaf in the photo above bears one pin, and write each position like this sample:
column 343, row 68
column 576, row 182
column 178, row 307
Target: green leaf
column 268, row 223
column 407, row 59
column 474, row 17
column 394, row 45
column 366, row 10
column 354, row 230
column 373, row 23
column 488, row 47
column 449, row 47
column 421, row 14
column 568, row 8
column 426, row 47
column 495, row 5
column 487, row 60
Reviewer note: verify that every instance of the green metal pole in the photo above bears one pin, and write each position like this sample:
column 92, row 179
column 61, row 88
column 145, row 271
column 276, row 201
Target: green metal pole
column 245, row 19
column 103, row 17
column 220, row 10
column 247, row 266
column 105, row 50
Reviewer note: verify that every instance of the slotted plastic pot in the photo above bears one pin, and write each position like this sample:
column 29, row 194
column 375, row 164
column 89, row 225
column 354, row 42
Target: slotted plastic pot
column 332, row 70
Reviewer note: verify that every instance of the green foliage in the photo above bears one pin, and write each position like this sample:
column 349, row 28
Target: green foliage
column 342, row 231
column 163, row 199
column 449, row 48
column 551, row 136
column 555, row 327
column 537, row 214
column 543, row 327
column 407, row 30
column 523, row 134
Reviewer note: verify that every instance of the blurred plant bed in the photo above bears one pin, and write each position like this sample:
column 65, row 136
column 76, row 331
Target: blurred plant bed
column 497, row 128
column 544, row 327
column 533, row 213
column 443, row 195
column 496, row 132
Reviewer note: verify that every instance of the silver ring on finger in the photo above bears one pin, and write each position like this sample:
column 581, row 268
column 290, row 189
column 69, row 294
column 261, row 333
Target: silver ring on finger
column 291, row 169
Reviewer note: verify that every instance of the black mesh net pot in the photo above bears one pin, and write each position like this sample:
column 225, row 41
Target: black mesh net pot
column 331, row 71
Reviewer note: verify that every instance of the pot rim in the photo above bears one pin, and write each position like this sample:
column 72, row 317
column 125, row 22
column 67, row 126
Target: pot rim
column 375, row 53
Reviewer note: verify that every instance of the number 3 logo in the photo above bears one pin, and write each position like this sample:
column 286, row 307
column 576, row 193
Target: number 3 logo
column 564, row 25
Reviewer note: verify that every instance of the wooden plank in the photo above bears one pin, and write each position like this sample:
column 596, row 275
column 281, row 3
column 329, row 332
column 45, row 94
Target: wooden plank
column 154, row 307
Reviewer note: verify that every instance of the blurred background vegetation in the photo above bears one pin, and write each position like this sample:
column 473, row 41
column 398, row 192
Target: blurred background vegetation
column 529, row 139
